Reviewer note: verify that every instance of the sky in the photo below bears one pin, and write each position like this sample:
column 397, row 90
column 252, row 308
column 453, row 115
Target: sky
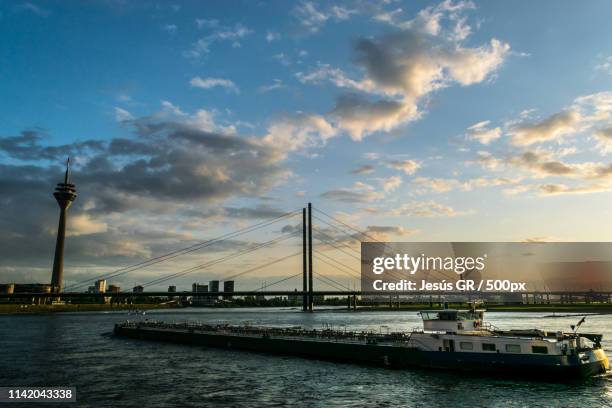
column 409, row 120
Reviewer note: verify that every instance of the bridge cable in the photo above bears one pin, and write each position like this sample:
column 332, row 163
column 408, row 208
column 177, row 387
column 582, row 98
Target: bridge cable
column 185, row 250
column 219, row 260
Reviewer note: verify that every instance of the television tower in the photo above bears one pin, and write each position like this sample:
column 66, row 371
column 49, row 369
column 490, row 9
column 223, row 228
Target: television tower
column 65, row 193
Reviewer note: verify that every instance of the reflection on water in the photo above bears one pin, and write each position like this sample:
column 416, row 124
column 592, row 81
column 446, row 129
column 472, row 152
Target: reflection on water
column 75, row 349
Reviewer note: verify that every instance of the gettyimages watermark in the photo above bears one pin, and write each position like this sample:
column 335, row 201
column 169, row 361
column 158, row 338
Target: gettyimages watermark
column 495, row 268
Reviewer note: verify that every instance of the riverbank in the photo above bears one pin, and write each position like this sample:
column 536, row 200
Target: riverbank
column 13, row 309
column 552, row 309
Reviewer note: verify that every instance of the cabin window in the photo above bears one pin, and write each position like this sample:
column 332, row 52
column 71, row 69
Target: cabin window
column 513, row 348
column 488, row 347
column 465, row 345
column 539, row 349
column 430, row 316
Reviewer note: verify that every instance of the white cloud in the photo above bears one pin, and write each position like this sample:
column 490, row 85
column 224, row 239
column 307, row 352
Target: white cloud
column 604, row 135
column 298, row 132
column 551, row 128
column 272, row 36
column 482, row 133
column 208, row 83
column 121, row 115
column 425, row 209
column 406, row 66
column 275, row 85
column 170, row 28
column 172, row 109
column 407, row 166
column 83, row 224
column 438, row 185
column 282, row 59
column 605, row 65
column 391, row 184
column 219, row 34
column 312, row 17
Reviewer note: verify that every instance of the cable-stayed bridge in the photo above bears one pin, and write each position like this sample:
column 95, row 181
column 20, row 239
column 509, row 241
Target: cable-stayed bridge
column 325, row 240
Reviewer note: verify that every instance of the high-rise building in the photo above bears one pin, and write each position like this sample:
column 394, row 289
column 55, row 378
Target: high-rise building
column 200, row 300
column 7, row 288
column 172, row 289
column 113, row 289
column 65, row 194
column 228, row 287
column 100, row 286
column 138, row 289
column 213, row 286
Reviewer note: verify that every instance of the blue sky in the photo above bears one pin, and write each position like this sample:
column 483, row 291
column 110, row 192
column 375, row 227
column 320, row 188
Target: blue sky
column 413, row 120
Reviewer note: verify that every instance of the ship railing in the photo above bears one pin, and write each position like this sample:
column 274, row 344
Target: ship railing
column 486, row 326
column 319, row 334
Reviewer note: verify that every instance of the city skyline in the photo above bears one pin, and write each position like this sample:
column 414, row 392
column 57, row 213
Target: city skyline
column 429, row 121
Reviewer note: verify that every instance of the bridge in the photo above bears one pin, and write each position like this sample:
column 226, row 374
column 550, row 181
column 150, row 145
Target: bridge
column 335, row 238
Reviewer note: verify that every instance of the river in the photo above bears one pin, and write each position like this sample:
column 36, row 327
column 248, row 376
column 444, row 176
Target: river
column 76, row 349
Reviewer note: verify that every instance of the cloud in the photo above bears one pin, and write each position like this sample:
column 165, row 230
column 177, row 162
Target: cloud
column 605, row 65
column 489, row 161
column 170, row 28
column 407, row 166
column 385, row 233
column 365, row 169
column 298, row 132
column 208, row 83
column 360, row 116
column 121, row 115
column 391, row 184
column 435, row 184
column 401, row 69
column 482, row 133
column 558, row 189
column 282, row 59
column 137, row 194
column 312, row 18
column 83, row 224
column 219, row 33
column 272, row 36
column 275, row 85
column 553, row 127
column 27, row 146
column 359, row 193
column 604, row 135
column 425, row 209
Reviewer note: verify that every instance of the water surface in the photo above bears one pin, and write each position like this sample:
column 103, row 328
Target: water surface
column 76, row 349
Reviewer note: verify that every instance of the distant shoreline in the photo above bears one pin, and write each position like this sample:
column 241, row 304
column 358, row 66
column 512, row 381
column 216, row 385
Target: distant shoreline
column 551, row 309
column 48, row 309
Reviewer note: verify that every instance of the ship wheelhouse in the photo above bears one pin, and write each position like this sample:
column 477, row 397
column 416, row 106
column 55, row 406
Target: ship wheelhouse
column 452, row 321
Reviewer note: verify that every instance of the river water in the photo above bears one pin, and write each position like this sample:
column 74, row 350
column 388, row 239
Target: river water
column 76, row 349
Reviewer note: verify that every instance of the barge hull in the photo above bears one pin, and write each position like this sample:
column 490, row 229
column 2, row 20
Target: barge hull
column 557, row 368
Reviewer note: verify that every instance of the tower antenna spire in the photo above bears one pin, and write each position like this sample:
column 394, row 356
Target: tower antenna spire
column 67, row 175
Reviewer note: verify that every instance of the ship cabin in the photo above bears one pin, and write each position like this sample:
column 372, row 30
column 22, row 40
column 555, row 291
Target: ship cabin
column 452, row 321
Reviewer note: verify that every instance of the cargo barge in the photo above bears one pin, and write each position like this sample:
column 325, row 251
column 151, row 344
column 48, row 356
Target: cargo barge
column 450, row 339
